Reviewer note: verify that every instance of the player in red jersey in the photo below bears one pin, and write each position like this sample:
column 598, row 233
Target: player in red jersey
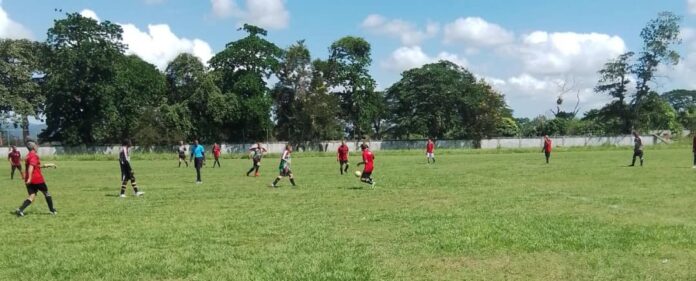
column 15, row 159
column 342, row 157
column 35, row 180
column 548, row 146
column 369, row 162
column 216, row 155
column 430, row 150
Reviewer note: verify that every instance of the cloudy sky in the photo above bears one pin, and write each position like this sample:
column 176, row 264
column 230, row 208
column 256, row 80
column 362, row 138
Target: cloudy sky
column 524, row 48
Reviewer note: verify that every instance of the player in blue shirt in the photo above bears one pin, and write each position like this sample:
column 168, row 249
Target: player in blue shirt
column 198, row 154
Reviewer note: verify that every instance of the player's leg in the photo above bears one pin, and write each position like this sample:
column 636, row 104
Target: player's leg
column 292, row 178
column 31, row 189
column 257, row 166
column 641, row 158
column 366, row 177
column 345, row 170
column 198, row 162
column 12, row 171
column 432, row 155
column 340, row 166
column 180, row 161
column 134, row 185
column 275, row 182
column 635, row 155
column 49, row 200
column 548, row 156
column 695, row 160
column 124, row 181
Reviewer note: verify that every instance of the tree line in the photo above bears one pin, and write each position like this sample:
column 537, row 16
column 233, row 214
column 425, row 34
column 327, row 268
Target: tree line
column 88, row 91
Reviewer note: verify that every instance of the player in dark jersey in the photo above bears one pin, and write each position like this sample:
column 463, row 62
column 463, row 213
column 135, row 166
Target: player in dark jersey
column 127, row 173
column 546, row 149
column 216, row 154
column 182, row 153
column 368, row 159
column 35, row 180
column 637, row 149
column 15, row 159
column 256, row 155
column 342, row 158
column 284, row 167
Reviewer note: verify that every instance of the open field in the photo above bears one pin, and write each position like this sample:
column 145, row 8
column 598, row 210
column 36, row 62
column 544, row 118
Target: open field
column 472, row 216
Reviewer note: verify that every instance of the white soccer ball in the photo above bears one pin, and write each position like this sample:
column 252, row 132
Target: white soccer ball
column 358, row 173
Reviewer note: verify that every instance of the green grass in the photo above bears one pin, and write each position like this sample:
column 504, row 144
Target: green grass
column 472, row 216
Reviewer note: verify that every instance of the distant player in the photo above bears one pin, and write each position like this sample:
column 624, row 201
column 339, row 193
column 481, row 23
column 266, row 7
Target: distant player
column 284, row 167
column 256, row 155
column 342, row 157
column 546, row 149
column 127, row 173
column 182, row 153
column 694, row 150
column 368, row 159
column 430, row 150
column 15, row 159
column 637, row 149
column 35, row 180
column 198, row 157
column 216, row 155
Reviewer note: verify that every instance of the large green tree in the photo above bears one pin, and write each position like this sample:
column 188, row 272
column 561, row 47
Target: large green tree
column 81, row 107
column 241, row 70
column 348, row 73
column 444, row 100
column 21, row 72
column 294, row 81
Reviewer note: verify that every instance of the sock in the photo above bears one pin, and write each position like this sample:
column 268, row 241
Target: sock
column 135, row 186
column 276, row 181
column 292, row 181
column 341, row 169
column 250, row 170
column 49, row 201
column 179, row 164
column 123, row 188
column 25, row 205
column 346, row 170
column 256, row 170
column 186, row 163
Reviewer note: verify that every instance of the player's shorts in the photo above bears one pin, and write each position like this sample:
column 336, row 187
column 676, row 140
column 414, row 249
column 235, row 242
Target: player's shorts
column 19, row 167
column 366, row 175
column 343, row 162
column 198, row 162
column 34, row 188
column 637, row 153
column 182, row 156
column 284, row 171
column 547, row 153
column 257, row 161
column 127, row 173
column 430, row 154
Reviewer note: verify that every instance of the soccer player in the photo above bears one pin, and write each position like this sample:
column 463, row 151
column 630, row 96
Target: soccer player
column 637, row 149
column 284, row 167
column 198, row 155
column 694, row 150
column 182, row 153
column 548, row 146
column 127, row 173
column 15, row 159
column 368, row 160
column 430, row 150
column 35, row 180
column 216, row 155
column 256, row 155
column 342, row 158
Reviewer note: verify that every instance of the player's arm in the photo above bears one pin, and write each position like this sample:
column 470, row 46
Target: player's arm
column 30, row 172
column 47, row 165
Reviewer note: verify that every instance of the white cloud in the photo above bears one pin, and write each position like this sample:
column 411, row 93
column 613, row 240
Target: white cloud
column 271, row 14
column 406, row 58
column 159, row 45
column 567, row 52
column 11, row 29
column 89, row 14
column 408, row 33
column 475, row 31
column 691, row 6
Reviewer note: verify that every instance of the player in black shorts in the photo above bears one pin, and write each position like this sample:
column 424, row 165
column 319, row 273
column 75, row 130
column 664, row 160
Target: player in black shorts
column 256, row 155
column 637, row 149
column 126, row 170
column 35, row 180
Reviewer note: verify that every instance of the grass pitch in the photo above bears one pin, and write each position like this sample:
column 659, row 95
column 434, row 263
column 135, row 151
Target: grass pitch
column 471, row 216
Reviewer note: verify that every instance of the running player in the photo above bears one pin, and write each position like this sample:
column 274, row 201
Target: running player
column 35, row 180
column 15, row 159
column 637, row 149
column 182, row 153
column 342, row 157
column 256, row 155
column 547, row 148
column 216, row 155
column 127, row 173
column 430, row 150
column 198, row 155
column 284, row 167
column 369, row 162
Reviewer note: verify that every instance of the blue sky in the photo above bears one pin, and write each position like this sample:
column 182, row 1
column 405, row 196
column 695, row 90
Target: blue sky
column 526, row 49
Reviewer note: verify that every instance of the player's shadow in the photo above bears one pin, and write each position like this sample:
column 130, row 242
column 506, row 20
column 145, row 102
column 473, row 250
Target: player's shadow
column 353, row 188
column 111, row 195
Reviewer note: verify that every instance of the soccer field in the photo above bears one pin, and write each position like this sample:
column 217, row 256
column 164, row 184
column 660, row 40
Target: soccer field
column 472, row 216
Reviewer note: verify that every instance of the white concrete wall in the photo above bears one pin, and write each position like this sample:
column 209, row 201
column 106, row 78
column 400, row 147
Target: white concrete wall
column 332, row 146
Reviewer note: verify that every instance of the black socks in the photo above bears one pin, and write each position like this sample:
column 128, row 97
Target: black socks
column 25, row 205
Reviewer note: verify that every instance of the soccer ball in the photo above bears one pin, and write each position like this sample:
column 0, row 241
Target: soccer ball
column 358, row 173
